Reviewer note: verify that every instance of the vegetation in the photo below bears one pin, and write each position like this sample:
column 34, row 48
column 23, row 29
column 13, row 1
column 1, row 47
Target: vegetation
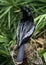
column 10, row 15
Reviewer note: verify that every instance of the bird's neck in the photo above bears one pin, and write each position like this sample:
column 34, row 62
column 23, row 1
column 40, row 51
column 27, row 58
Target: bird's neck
column 26, row 18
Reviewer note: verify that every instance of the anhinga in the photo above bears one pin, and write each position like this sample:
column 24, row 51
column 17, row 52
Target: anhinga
column 25, row 30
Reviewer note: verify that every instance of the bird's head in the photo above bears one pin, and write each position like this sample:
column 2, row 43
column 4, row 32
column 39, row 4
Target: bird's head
column 26, row 11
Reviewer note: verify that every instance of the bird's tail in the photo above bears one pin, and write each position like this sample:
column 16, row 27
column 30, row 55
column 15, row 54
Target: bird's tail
column 20, row 55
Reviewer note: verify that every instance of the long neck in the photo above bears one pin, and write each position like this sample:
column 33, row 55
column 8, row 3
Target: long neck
column 24, row 15
column 27, row 18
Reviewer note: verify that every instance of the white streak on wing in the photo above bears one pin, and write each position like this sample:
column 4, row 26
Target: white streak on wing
column 20, row 38
column 29, row 13
column 29, row 33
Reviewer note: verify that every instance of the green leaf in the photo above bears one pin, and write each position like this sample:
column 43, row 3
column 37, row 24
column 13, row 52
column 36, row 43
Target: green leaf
column 7, row 10
column 3, row 38
column 9, row 19
column 44, row 55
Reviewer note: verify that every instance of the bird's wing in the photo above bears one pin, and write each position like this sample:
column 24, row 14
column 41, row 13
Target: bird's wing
column 28, row 34
column 28, row 29
column 20, row 55
column 25, row 30
column 19, row 33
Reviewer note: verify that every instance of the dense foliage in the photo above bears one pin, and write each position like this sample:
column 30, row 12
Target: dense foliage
column 10, row 15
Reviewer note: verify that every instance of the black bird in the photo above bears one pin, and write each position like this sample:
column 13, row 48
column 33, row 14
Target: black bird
column 25, row 30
